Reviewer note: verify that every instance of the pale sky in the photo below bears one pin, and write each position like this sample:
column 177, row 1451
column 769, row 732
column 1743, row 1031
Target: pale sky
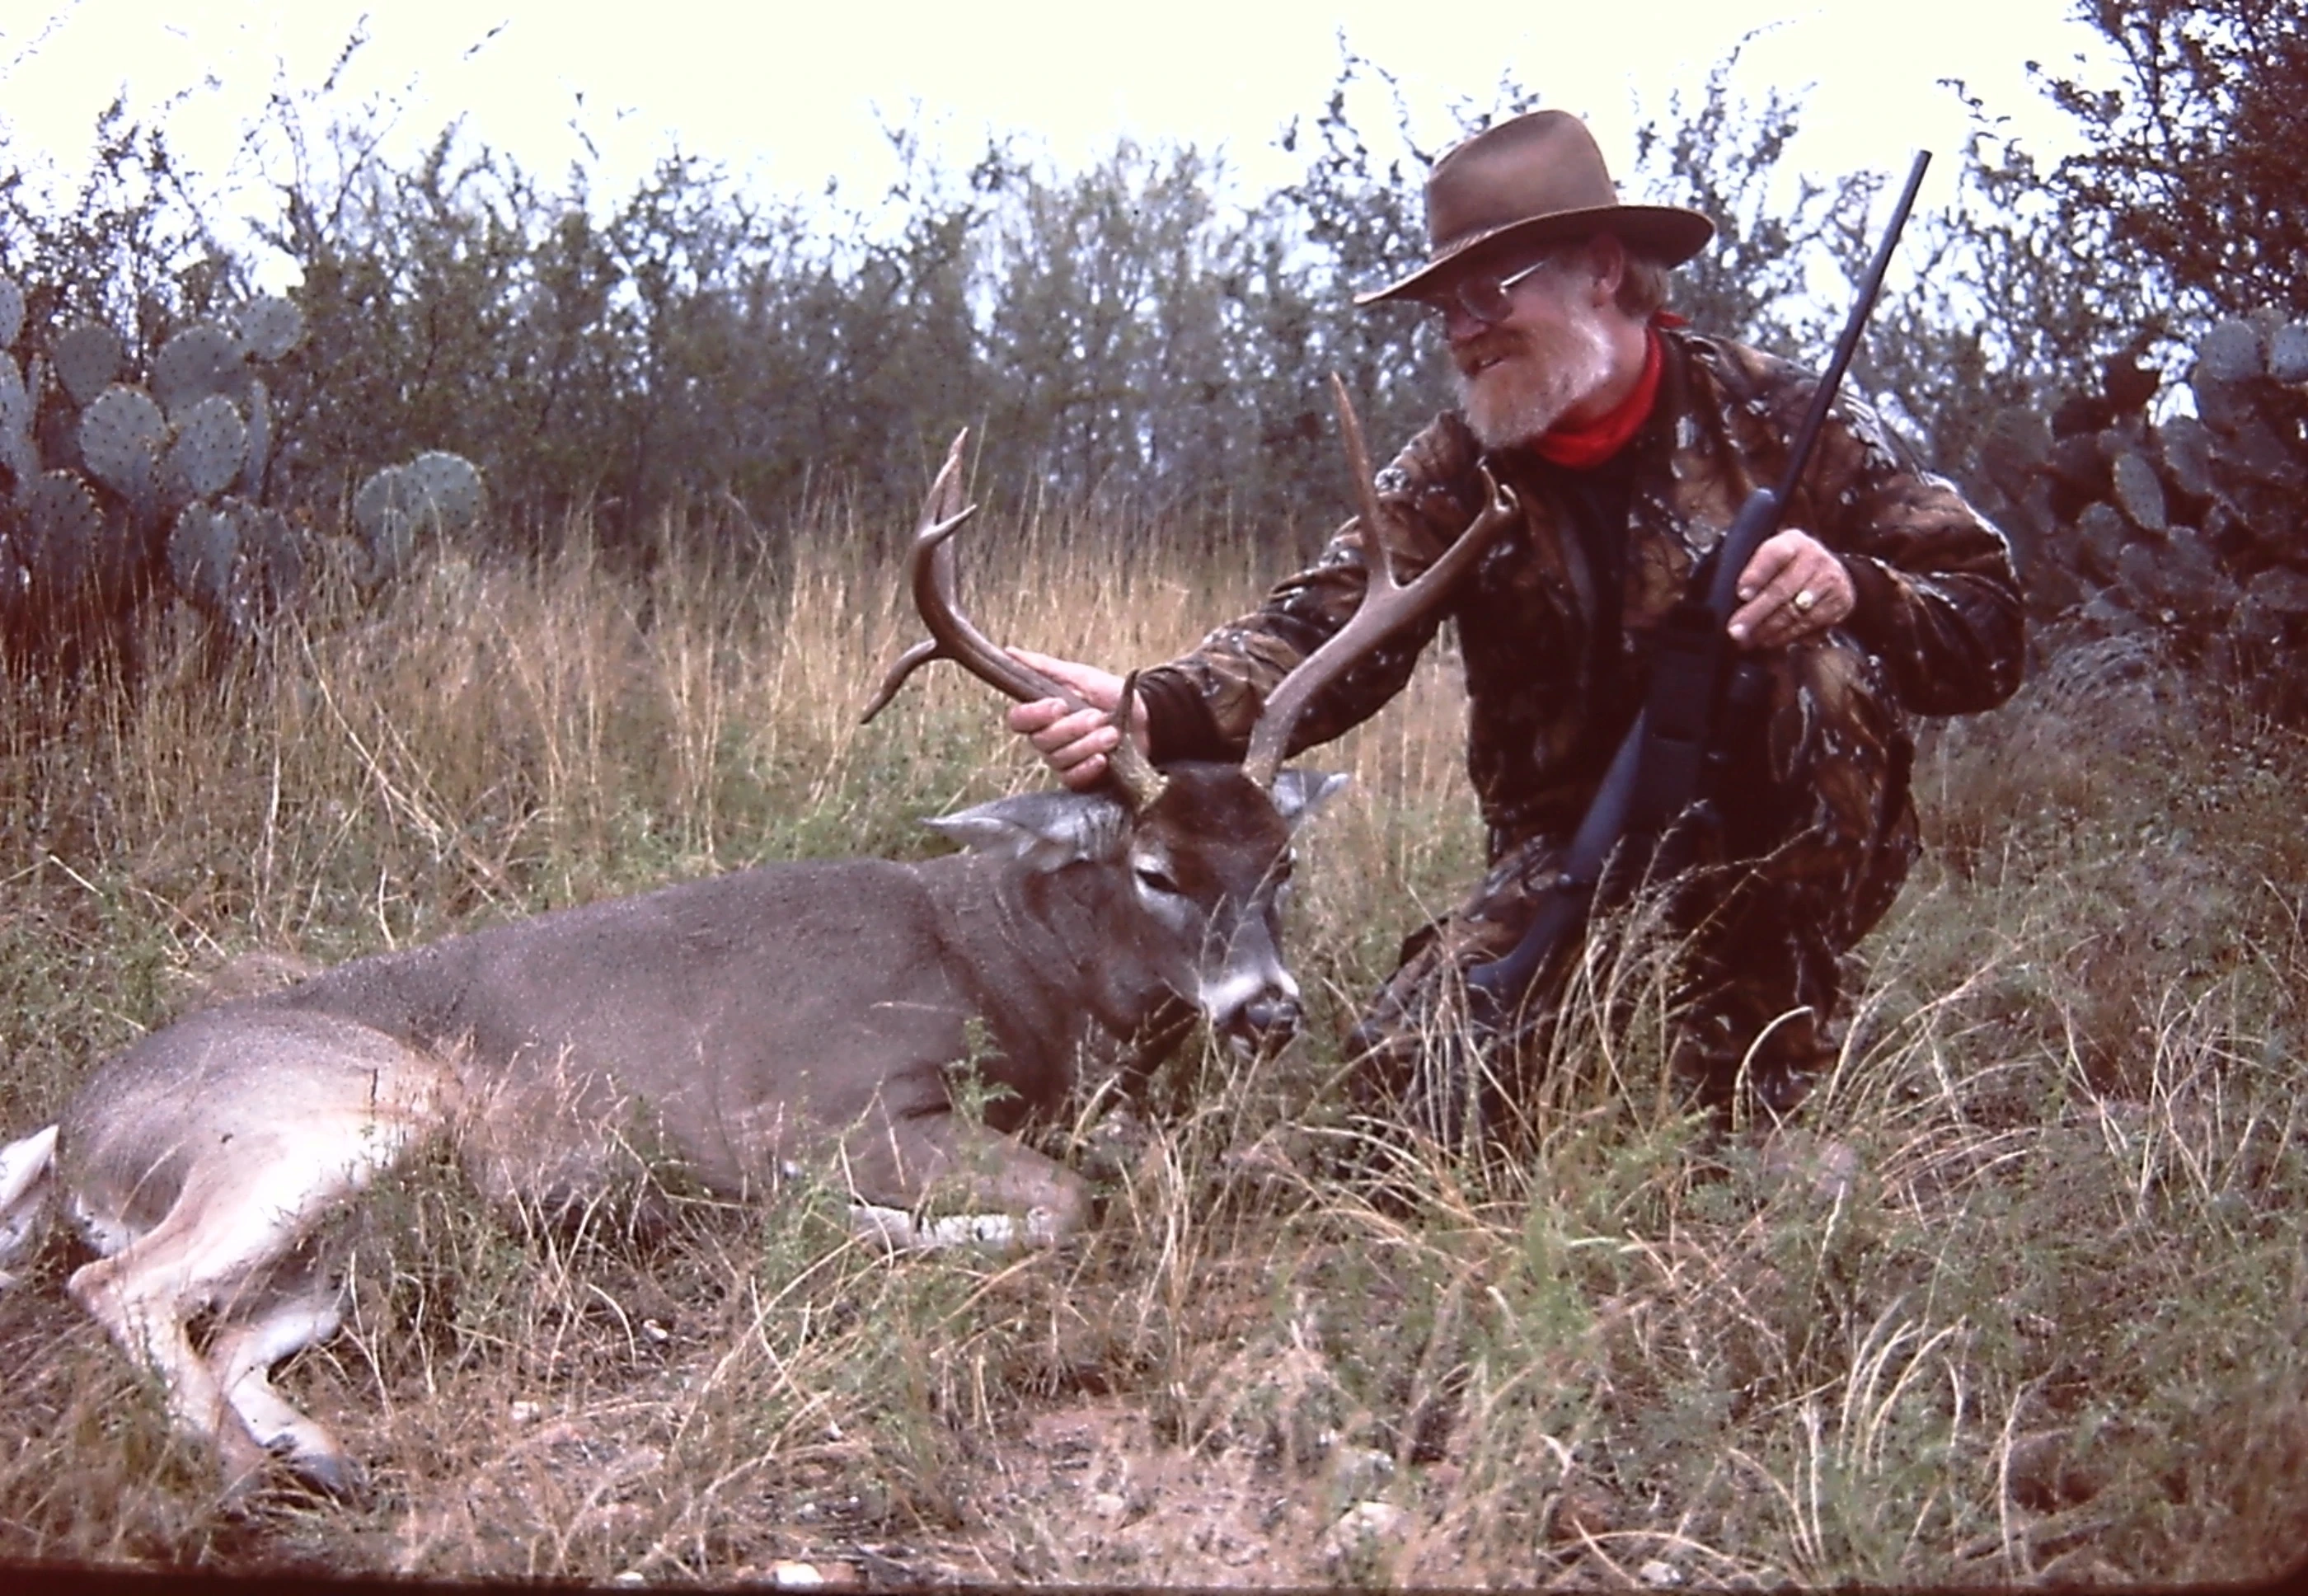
column 787, row 96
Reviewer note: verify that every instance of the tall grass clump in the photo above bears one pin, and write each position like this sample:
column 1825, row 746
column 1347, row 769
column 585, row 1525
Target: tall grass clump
column 2017, row 1298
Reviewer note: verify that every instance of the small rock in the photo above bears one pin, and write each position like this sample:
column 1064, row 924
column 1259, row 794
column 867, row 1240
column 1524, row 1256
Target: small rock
column 1361, row 1528
column 631, row 1576
column 1269, row 1158
column 1359, row 1471
column 1583, row 1510
column 1656, row 1573
column 795, row 1576
column 1828, row 1167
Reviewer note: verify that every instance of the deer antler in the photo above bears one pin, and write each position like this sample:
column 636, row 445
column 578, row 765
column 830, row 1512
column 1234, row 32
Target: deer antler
column 929, row 571
column 1388, row 605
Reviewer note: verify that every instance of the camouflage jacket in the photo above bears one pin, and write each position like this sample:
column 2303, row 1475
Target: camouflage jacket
column 1551, row 686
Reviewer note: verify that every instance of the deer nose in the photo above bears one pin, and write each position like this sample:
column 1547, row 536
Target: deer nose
column 1271, row 1018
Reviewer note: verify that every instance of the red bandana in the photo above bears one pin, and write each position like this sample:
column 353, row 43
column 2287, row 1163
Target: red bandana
column 1583, row 448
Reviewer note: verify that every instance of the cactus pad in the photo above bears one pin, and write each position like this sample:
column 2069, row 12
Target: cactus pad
column 384, row 510
column 21, row 459
column 235, row 562
column 121, row 436
column 200, row 550
column 2230, row 352
column 2228, row 360
column 64, row 528
column 452, row 486
column 210, row 443
column 270, row 546
column 270, row 326
column 15, row 399
column 2138, row 492
column 16, row 581
column 2188, row 450
column 17, row 452
column 11, row 311
column 437, row 491
column 87, row 359
column 200, row 361
column 260, row 440
column 2288, row 353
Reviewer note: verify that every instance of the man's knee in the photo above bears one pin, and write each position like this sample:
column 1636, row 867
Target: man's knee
column 1819, row 806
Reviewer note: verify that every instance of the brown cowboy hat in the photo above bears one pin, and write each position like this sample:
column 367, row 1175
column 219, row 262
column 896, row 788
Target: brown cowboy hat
column 1535, row 178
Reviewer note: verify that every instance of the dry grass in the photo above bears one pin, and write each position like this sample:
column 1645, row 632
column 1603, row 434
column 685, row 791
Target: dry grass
column 2047, row 1330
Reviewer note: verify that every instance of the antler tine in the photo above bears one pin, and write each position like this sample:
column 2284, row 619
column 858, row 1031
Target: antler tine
column 914, row 658
column 929, row 572
column 1388, row 605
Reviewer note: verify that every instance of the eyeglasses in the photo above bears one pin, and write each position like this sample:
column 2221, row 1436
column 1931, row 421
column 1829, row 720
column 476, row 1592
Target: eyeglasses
column 1484, row 295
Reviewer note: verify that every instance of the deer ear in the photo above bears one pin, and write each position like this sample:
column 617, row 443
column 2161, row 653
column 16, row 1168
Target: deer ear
column 1046, row 830
column 1299, row 793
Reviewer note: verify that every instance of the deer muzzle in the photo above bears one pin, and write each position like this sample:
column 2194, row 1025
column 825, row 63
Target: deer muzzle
column 1255, row 1014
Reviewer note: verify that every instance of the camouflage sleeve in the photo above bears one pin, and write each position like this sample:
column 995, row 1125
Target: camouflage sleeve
column 1203, row 704
column 1939, row 601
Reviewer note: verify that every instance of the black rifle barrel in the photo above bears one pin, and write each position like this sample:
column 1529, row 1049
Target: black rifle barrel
column 1497, row 989
column 1722, row 595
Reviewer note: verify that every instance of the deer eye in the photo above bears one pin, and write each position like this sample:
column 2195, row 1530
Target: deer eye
column 1154, row 878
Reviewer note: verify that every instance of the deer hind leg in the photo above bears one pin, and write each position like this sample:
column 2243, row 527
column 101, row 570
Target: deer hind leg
column 237, row 1243
column 25, row 1184
column 996, row 1191
column 213, row 1251
column 302, row 1310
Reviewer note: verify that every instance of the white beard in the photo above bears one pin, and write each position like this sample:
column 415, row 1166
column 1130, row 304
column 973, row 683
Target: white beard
column 1540, row 378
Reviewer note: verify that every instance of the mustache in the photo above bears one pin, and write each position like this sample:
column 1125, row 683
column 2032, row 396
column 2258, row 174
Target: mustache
column 1496, row 343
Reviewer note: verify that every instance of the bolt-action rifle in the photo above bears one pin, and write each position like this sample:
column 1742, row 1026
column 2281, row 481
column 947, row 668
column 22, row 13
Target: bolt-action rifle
column 1699, row 693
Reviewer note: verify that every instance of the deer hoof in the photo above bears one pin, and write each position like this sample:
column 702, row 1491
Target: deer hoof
column 337, row 1478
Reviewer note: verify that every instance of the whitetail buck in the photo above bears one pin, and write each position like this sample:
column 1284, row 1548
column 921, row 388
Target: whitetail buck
column 727, row 1028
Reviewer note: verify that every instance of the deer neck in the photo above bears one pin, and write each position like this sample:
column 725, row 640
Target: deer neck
column 1043, row 943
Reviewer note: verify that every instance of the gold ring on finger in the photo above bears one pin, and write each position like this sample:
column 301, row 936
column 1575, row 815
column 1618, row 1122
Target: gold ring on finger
column 1805, row 600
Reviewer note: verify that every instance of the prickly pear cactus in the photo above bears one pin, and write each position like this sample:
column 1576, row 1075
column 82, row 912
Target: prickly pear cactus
column 237, row 563
column 64, row 535
column 87, row 359
column 205, row 455
column 122, row 436
column 202, row 362
column 259, row 454
column 131, row 488
column 437, row 493
column 2194, row 528
column 118, row 487
column 18, row 455
column 270, row 326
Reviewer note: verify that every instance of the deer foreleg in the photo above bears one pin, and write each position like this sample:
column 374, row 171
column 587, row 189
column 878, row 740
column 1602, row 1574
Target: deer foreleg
column 994, row 1191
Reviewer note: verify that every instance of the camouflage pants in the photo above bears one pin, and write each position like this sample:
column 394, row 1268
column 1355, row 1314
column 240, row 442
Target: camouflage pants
column 1815, row 831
